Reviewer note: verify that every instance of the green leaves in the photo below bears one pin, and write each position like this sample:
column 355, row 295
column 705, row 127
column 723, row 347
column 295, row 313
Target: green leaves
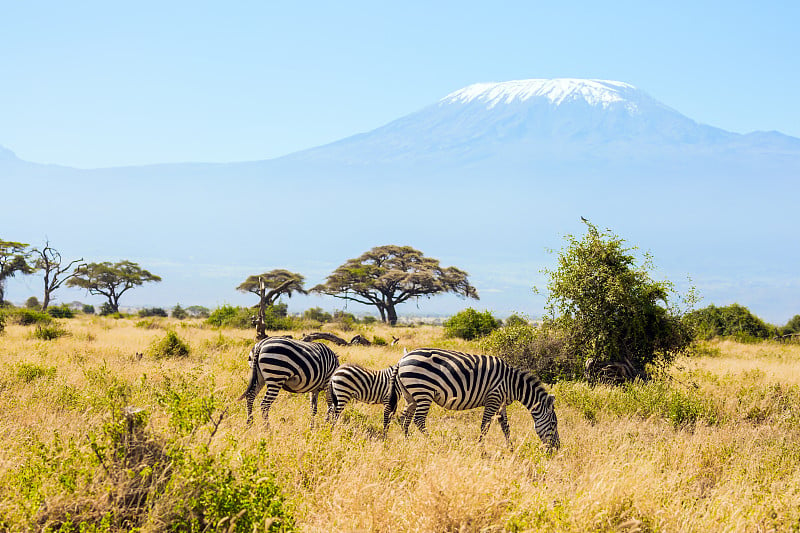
column 386, row 276
column 612, row 308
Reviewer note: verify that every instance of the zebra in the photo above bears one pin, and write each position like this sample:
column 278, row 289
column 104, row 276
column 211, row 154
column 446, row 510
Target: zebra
column 354, row 382
column 459, row 381
column 293, row 365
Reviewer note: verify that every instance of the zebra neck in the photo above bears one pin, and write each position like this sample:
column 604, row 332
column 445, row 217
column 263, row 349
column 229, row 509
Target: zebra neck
column 526, row 389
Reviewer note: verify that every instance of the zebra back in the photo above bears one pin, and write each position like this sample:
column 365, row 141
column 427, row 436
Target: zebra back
column 364, row 384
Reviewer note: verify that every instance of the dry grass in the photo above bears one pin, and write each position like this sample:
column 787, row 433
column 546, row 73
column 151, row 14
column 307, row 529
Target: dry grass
column 617, row 470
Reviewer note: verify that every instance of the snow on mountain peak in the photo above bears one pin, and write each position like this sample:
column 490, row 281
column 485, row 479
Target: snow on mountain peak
column 557, row 91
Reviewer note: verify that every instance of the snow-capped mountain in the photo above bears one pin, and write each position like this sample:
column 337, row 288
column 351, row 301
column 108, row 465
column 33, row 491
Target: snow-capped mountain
column 537, row 117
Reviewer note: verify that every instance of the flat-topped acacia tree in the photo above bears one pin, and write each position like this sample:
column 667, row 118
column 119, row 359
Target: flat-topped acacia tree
column 278, row 281
column 387, row 276
column 111, row 280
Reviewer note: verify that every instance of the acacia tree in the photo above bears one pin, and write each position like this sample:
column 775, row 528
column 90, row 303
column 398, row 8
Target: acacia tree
column 617, row 319
column 279, row 282
column 49, row 261
column 13, row 260
column 111, row 280
column 387, row 276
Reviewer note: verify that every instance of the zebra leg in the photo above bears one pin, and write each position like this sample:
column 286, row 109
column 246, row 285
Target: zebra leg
column 269, row 398
column 341, row 403
column 407, row 415
column 389, row 409
column 493, row 403
column 504, row 426
column 421, row 413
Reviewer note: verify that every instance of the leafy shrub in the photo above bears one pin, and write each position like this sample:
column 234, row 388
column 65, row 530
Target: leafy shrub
column 368, row 319
column 169, row 346
column 792, row 326
column 153, row 311
column 179, row 312
column 470, row 324
column 33, row 303
column 88, row 309
column 231, row 317
column 27, row 317
column 542, row 350
column 317, row 314
column 344, row 321
column 379, row 341
column 27, row 372
column 613, row 311
column 198, row 311
column 107, row 310
column 48, row 332
column 245, row 318
column 515, row 320
column 61, row 311
column 730, row 321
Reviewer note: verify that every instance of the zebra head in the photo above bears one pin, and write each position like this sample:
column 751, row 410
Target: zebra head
column 545, row 422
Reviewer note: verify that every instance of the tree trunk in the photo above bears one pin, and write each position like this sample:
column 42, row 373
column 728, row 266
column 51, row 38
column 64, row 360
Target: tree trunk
column 391, row 315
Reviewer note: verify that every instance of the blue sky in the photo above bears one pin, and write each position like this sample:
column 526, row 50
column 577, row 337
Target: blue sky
column 93, row 84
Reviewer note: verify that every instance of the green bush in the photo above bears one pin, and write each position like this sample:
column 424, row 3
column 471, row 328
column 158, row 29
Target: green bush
column 33, row 303
column 231, row 317
column 107, row 310
column 169, row 346
column 612, row 310
column 470, row 324
column 152, row 311
column 179, row 312
column 48, row 332
column 317, row 314
column 792, row 326
column 124, row 477
column 245, row 318
column 542, row 350
column 28, row 317
column 379, row 341
column 28, row 372
column 88, row 309
column 515, row 320
column 61, row 311
column 730, row 321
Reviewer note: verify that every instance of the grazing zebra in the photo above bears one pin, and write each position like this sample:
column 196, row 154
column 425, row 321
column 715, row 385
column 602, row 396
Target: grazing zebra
column 354, row 382
column 283, row 363
column 461, row 381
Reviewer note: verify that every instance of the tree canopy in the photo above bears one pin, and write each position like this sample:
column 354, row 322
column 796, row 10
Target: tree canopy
column 278, row 281
column 387, row 276
column 111, row 280
column 13, row 260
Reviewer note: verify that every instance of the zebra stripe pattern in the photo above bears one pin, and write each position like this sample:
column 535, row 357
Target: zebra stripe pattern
column 459, row 381
column 354, row 382
column 282, row 363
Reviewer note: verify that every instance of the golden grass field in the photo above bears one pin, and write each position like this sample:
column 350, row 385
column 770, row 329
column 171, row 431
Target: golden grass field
column 715, row 447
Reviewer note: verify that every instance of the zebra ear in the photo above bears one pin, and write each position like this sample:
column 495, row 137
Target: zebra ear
column 405, row 351
column 550, row 401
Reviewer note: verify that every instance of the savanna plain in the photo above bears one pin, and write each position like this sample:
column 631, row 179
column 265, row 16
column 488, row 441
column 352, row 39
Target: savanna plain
column 99, row 433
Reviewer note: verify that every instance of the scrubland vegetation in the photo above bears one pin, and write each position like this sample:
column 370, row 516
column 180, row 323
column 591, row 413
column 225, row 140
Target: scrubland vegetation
column 118, row 424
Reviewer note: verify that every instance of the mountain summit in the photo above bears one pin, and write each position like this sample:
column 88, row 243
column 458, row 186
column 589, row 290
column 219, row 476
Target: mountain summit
column 560, row 90
column 532, row 117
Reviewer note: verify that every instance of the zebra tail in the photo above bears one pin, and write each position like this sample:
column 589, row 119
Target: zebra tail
column 394, row 394
column 256, row 382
